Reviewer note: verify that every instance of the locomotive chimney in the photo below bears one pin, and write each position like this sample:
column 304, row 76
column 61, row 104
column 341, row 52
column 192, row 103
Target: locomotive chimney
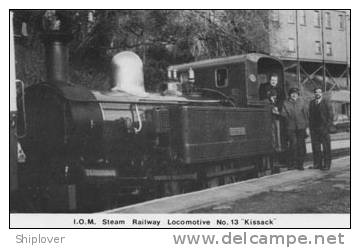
column 57, row 56
column 128, row 73
column 55, row 39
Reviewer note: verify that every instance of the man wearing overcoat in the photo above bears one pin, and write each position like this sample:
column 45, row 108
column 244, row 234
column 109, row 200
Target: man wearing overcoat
column 295, row 113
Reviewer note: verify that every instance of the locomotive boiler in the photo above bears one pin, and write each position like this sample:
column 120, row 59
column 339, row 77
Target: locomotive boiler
column 92, row 150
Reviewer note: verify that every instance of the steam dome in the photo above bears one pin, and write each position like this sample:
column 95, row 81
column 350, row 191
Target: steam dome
column 128, row 73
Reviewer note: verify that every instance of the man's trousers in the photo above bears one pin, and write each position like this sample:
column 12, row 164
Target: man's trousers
column 297, row 149
column 322, row 159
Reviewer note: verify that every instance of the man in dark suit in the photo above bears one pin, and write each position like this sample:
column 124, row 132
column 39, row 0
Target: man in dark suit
column 320, row 122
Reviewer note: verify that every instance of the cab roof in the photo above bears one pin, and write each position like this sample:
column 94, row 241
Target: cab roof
column 253, row 57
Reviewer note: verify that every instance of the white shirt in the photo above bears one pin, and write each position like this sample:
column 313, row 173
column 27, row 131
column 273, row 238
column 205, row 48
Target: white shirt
column 318, row 100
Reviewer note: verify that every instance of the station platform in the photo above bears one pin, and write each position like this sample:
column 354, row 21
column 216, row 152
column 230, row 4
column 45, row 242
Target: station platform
column 189, row 202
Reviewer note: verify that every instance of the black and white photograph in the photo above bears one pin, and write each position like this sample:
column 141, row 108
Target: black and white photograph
column 123, row 115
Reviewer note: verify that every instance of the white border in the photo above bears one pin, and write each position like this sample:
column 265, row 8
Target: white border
column 162, row 238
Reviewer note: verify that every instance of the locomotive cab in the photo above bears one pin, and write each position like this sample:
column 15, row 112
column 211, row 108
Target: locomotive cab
column 238, row 77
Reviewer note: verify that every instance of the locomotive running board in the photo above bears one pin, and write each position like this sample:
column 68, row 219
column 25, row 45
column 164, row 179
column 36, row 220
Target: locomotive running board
column 176, row 177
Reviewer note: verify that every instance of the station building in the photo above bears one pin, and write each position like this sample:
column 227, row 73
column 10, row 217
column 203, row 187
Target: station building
column 314, row 46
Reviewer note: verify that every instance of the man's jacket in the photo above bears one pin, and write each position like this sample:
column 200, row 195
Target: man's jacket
column 295, row 114
column 266, row 89
column 320, row 115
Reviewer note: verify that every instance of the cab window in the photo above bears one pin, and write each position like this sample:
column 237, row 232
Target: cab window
column 221, row 77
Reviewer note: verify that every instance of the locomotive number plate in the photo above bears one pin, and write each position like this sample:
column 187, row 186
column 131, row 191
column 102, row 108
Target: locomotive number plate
column 237, row 131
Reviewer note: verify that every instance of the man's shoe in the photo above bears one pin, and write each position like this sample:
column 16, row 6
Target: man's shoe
column 314, row 167
column 291, row 167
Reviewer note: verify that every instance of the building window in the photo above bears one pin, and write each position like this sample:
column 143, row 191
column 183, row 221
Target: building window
column 275, row 15
column 317, row 47
column 221, row 78
column 302, row 17
column 328, row 20
column 291, row 17
column 291, row 45
column 329, row 51
column 317, row 18
column 341, row 22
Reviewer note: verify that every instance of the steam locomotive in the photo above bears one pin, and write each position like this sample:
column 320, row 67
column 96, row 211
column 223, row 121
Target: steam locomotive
column 91, row 150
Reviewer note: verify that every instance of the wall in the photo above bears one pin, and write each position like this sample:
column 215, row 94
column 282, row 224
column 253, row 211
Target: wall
column 283, row 25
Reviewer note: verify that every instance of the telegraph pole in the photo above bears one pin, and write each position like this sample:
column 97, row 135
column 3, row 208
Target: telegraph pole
column 323, row 49
column 347, row 51
column 297, row 50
